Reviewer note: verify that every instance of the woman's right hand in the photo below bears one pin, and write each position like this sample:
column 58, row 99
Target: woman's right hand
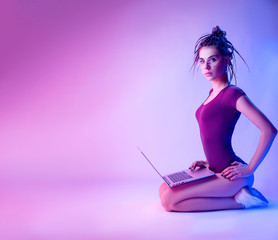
column 199, row 164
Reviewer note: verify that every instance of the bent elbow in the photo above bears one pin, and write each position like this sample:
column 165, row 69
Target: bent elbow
column 272, row 131
column 269, row 131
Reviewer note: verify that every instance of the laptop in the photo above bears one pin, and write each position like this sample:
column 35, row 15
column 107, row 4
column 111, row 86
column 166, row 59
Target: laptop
column 184, row 176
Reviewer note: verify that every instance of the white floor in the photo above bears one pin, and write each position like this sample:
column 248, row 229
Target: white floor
column 119, row 211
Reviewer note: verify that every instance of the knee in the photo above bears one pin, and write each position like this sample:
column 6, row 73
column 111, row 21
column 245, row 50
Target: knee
column 167, row 205
column 166, row 198
column 162, row 188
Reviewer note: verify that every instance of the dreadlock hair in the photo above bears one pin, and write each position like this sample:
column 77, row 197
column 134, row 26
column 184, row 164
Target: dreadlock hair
column 218, row 39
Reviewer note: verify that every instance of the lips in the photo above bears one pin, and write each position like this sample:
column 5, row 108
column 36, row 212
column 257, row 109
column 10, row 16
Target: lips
column 208, row 74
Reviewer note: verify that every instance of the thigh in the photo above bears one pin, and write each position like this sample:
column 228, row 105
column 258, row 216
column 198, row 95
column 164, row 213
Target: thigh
column 215, row 186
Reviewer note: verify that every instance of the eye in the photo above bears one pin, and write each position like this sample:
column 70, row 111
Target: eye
column 201, row 61
column 213, row 59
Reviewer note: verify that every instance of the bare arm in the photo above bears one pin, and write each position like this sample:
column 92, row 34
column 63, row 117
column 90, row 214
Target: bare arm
column 268, row 131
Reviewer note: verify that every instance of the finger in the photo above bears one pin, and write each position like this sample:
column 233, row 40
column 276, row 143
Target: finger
column 235, row 163
column 233, row 178
column 236, row 176
column 197, row 164
column 229, row 176
column 230, row 169
column 226, row 171
column 192, row 167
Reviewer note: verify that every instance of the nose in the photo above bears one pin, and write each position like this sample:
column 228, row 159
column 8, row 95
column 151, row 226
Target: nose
column 207, row 65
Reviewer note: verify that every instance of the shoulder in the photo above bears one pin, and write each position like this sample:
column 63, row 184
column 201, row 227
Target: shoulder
column 232, row 89
column 232, row 94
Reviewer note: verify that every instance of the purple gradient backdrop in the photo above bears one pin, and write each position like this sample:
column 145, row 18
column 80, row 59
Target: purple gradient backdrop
column 84, row 82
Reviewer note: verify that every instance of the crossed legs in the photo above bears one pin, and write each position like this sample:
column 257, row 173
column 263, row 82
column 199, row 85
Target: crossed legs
column 212, row 193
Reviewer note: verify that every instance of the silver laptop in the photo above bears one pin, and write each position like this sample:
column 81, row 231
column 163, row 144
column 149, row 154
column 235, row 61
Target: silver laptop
column 181, row 177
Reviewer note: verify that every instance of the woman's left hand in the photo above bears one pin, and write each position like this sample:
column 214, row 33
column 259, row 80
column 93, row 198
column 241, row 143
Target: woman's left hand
column 236, row 170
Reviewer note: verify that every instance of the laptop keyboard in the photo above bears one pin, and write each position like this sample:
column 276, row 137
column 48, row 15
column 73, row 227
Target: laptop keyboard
column 176, row 177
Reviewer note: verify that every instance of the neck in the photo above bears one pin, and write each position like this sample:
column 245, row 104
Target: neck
column 220, row 83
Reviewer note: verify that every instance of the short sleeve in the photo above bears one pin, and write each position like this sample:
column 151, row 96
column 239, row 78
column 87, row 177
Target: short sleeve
column 233, row 94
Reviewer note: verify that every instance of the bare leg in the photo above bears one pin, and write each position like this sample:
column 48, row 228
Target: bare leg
column 162, row 188
column 206, row 204
column 213, row 193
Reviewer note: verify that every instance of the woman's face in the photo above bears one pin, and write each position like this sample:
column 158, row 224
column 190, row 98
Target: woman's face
column 213, row 64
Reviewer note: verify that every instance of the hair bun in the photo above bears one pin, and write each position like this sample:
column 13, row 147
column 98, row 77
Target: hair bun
column 216, row 31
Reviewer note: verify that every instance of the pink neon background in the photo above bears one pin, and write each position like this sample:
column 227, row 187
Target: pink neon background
column 84, row 82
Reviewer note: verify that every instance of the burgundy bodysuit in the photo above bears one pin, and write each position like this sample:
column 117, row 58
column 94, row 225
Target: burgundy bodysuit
column 217, row 120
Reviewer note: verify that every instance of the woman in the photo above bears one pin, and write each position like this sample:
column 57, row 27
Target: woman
column 231, row 186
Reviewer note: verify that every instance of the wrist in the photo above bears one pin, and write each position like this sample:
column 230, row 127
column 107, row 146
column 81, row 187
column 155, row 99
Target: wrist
column 250, row 169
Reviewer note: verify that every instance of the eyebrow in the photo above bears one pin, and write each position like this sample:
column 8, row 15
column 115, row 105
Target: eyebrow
column 210, row 56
